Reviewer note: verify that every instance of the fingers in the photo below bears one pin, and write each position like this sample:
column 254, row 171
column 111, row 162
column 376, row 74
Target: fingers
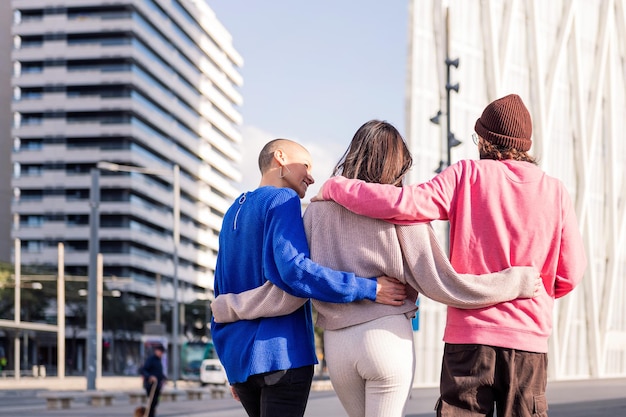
column 394, row 285
column 390, row 291
column 319, row 196
column 234, row 393
column 391, row 302
column 538, row 286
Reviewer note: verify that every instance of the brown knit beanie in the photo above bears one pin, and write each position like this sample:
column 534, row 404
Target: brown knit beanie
column 506, row 122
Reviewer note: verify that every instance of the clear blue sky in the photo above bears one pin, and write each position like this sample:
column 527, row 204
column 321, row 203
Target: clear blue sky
column 315, row 71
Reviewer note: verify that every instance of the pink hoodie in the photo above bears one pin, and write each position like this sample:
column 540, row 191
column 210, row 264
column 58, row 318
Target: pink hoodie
column 502, row 214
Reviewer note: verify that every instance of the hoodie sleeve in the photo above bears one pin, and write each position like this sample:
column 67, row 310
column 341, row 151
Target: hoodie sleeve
column 429, row 271
column 408, row 204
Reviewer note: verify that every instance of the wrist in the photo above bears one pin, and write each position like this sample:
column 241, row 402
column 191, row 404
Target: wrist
column 371, row 288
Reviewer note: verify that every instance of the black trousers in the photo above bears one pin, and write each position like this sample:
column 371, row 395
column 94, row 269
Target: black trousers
column 281, row 393
column 155, row 398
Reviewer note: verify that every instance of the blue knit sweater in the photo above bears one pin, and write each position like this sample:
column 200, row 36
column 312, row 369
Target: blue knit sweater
column 263, row 238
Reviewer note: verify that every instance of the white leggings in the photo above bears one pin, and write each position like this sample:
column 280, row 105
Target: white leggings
column 371, row 366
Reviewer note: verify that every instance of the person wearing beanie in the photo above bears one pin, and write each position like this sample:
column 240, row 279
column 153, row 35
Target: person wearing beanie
column 494, row 357
column 506, row 123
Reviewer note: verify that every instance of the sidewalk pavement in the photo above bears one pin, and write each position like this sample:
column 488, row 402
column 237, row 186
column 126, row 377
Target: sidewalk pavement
column 26, row 397
column 572, row 398
column 71, row 383
column 106, row 383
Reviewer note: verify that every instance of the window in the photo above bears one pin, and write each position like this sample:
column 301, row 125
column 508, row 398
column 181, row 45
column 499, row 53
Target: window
column 31, row 221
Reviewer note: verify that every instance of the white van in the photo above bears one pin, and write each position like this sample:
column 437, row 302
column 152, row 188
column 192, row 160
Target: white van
column 212, row 372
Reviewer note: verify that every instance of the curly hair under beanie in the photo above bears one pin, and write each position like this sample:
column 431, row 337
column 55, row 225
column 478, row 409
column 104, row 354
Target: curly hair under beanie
column 506, row 122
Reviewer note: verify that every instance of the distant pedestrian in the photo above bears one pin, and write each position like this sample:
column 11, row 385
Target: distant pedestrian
column 153, row 377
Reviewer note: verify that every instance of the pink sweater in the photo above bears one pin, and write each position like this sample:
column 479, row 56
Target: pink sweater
column 502, row 214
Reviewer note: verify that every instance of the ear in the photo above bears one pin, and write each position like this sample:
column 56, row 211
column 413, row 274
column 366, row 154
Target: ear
column 279, row 156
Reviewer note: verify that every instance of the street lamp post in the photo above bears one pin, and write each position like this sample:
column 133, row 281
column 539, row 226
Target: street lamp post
column 92, row 284
column 175, row 173
column 99, row 311
column 450, row 139
column 176, row 231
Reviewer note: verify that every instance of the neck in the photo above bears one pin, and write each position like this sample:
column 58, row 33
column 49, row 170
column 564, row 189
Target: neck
column 271, row 178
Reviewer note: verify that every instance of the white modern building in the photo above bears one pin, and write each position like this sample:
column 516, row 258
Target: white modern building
column 144, row 83
column 565, row 58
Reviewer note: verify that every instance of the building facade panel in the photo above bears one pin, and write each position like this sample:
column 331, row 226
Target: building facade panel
column 565, row 59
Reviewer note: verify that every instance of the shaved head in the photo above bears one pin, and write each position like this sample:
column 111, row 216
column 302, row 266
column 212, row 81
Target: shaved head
column 267, row 153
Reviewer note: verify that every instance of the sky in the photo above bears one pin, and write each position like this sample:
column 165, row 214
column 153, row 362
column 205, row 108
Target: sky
column 314, row 71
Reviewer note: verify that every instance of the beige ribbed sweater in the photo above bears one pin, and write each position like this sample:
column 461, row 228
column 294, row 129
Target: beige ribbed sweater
column 368, row 247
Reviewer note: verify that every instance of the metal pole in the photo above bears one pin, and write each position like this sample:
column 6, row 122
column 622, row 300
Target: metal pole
column 61, row 312
column 99, row 318
column 17, row 307
column 94, row 248
column 158, row 299
column 448, row 127
column 176, row 232
column 207, row 315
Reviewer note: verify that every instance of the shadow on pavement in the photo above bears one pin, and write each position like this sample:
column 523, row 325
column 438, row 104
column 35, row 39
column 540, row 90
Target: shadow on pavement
column 604, row 408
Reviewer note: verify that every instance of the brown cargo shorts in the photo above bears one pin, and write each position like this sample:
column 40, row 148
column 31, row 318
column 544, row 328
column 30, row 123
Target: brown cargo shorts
column 476, row 379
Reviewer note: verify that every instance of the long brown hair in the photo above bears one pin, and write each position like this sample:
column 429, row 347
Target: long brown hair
column 377, row 154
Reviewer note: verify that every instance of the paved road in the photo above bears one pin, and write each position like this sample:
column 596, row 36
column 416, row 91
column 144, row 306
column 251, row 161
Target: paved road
column 588, row 398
